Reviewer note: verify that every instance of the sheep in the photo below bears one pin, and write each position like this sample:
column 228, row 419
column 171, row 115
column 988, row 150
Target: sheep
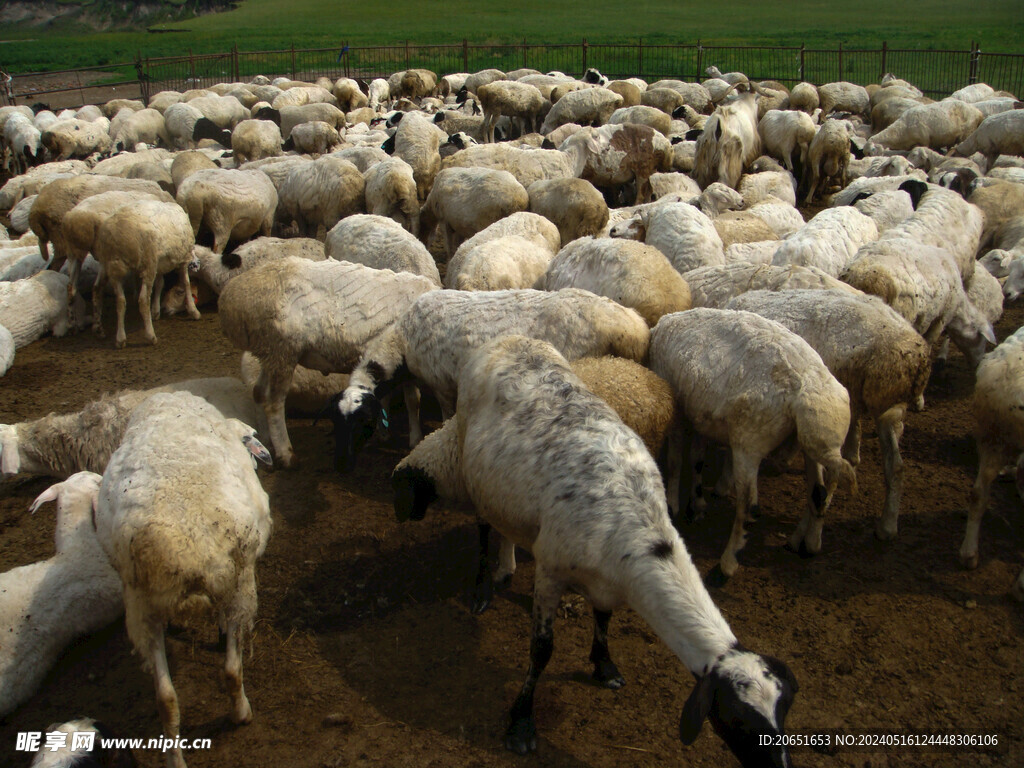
column 771, row 186
column 348, row 94
column 149, row 238
column 666, row 100
column 254, row 140
column 464, row 201
column 974, row 92
column 590, row 106
column 314, row 138
column 215, row 270
column 632, row 274
column 6, row 350
column 23, row 141
column 887, row 209
column 873, row 352
column 673, row 183
column 290, row 117
column 184, row 529
column 513, row 99
column 714, row 286
column 379, row 93
column 382, row 243
column 728, row 143
column 432, row 340
column 318, row 314
column 413, row 84
column 75, row 138
column 843, row 97
column 112, row 106
column 58, row 445
column 390, row 189
column 782, row 387
column 827, row 158
column 742, row 227
column 233, row 204
column 186, row 163
column 942, row 124
column 784, row 132
column 61, row 195
column 517, row 389
column 145, row 126
column 321, row 193
column 46, row 606
column 614, row 155
column 999, row 201
column 417, row 142
column 530, row 226
column 573, row 205
column 362, row 158
column 37, row 305
column 998, row 134
column 527, row 165
column 998, row 432
column 630, row 92
column 642, row 115
column 498, row 264
column 686, row 236
column 828, row 241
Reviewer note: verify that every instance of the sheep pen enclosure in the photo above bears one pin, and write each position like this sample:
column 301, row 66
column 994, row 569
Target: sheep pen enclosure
column 366, row 653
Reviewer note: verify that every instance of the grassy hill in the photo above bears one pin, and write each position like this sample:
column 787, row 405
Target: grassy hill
column 270, row 24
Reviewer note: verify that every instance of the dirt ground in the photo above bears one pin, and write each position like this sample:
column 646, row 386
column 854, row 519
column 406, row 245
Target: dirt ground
column 365, row 652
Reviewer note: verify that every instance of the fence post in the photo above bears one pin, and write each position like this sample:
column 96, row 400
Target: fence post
column 885, row 50
column 524, row 53
column 584, row 57
column 640, row 57
column 972, row 76
column 294, row 76
column 234, row 62
column 191, row 70
column 406, row 54
column 700, row 61
column 348, row 69
column 803, row 50
column 465, row 55
column 840, row 59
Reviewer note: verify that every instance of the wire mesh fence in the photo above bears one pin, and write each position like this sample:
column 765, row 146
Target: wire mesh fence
column 936, row 73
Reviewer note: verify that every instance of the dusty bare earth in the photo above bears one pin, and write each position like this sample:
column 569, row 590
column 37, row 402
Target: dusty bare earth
column 365, row 652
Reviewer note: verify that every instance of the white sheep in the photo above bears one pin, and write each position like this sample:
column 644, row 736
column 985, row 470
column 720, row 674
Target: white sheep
column 828, row 158
column 943, row 124
column 521, row 412
column 61, row 444
column 313, row 138
column 318, row 314
column 728, row 144
column 843, row 96
column 464, row 201
column 873, row 352
column 22, row 142
column 828, row 241
column 781, row 387
column 38, row 305
column 641, row 114
column 768, row 186
column 527, row 165
column 998, row 403
column 233, row 204
column 417, row 141
column 145, row 126
column 686, row 236
column 75, row 138
column 216, row 269
column 998, row 134
column 148, row 239
column 432, row 340
column 784, row 132
column 381, row 243
column 887, row 209
column 379, row 93
column 6, row 350
column 632, row 274
column 47, row 606
column 589, row 106
column 321, row 193
column 254, row 140
column 498, row 264
column 520, row 101
column 183, row 518
column 573, row 205
column 391, row 191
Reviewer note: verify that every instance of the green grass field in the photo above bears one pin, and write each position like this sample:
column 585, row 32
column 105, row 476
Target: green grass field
column 271, row 24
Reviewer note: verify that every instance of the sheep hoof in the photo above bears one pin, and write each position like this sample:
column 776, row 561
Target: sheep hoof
column 241, row 713
column 607, row 675
column 884, row 534
column 716, row 577
column 804, row 551
column 482, row 596
column 521, row 736
column 503, row 582
column 970, row 562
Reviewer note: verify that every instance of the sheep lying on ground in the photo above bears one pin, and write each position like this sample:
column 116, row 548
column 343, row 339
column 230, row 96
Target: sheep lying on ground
column 59, row 445
column 873, row 352
column 781, row 388
column 630, row 273
column 184, row 529
column 47, row 606
column 38, row 305
column 233, row 204
column 999, row 434
column 432, row 340
column 518, row 397
column 318, row 314
column 381, row 243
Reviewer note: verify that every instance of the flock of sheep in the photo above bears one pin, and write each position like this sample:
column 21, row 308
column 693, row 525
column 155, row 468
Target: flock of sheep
column 625, row 279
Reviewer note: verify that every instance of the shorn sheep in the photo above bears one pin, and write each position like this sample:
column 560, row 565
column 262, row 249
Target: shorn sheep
column 321, row 315
column 432, row 339
column 321, row 193
column 873, row 352
column 998, row 432
column 381, row 243
column 183, row 518
column 233, row 204
column 38, row 305
column 603, row 529
column 46, row 606
column 750, row 383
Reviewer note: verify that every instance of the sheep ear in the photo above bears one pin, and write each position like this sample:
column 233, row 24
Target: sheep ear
column 989, row 333
column 695, row 711
column 258, row 450
column 50, row 494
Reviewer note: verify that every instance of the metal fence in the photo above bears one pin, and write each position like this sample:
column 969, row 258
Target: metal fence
column 937, row 73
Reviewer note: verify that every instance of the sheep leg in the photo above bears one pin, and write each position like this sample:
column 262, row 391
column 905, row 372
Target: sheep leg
column 673, row 469
column 145, row 307
column 241, row 712
column 483, row 589
column 411, row 395
column 605, row 671
column 694, row 463
column 506, row 563
column 745, row 473
column 119, row 301
column 97, row 302
column 521, row 735
column 190, row 301
column 990, row 461
column 890, row 429
column 806, row 539
column 158, row 291
column 851, row 446
column 273, row 385
column 74, row 270
column 166, row 698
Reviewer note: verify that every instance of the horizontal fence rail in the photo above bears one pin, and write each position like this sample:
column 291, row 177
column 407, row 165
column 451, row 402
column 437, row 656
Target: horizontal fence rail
column 936, row 73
